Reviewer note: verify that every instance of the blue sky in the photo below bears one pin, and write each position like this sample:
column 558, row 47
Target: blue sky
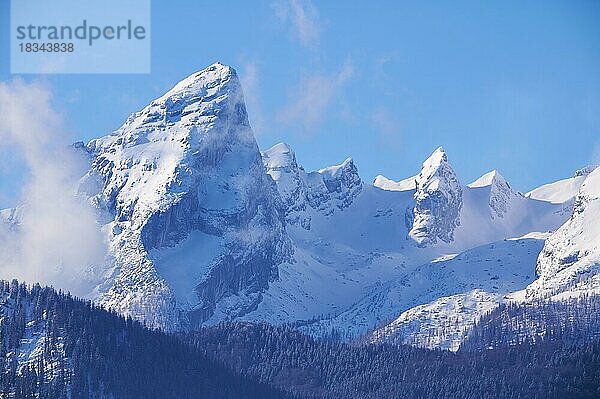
column 513, row 85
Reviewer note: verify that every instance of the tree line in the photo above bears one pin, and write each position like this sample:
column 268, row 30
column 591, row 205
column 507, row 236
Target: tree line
column 53, row 345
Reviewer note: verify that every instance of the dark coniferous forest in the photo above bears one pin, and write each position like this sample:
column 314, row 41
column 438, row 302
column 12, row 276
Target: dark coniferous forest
column 87, row 352
column 57, row 346
column 312, row 369
column 572, row 321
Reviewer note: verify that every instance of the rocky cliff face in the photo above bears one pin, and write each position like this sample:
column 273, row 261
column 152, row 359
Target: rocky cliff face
column 438, row 201
column 280, row 163
column 187, row 164
column 343, row 183
column 330, row 189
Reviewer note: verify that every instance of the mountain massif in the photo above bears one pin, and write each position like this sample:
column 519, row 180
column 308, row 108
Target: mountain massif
column 205, row 228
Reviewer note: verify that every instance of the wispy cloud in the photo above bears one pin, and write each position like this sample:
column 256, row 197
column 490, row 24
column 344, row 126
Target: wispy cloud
column 596, row 154
column 303, row 17
column 388, row 125
column 310, row 100
column 250, row 79
column 57, row 240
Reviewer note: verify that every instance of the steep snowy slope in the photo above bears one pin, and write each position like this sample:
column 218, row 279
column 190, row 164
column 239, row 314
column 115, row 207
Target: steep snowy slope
column 570, row 261
column 492, row 210
column 427, row 297
column 557, row 192
column 500, row 193
column 191, row 216
column 562, row 190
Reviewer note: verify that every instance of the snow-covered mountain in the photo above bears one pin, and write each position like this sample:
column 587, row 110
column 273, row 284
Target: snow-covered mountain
column 367, row 250
column 203, row 227
column 191, row 216
column 500, row 193
column 569, row 264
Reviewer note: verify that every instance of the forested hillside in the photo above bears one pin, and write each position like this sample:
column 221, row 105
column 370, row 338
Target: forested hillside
column 570, row 321
column 314, row 369
column 56, row 346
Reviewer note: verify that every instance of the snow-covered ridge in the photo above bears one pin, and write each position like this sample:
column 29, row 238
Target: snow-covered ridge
column 344, row 249
column 488, row 179
column 557, row 192
column 563, row 190
column 490, row 210
column 279, row 156
column 343, row 182
column 567, row 266
column 586, row 170
column 384, row 183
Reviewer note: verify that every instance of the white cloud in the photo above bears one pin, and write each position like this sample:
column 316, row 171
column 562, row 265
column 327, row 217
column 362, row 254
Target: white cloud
column 311, row 99
column 303, row 17
column 57, row 240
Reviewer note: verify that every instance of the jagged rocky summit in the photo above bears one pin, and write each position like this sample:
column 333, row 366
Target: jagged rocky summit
column 438, row 200
column 330, row 189
column 191, row 216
